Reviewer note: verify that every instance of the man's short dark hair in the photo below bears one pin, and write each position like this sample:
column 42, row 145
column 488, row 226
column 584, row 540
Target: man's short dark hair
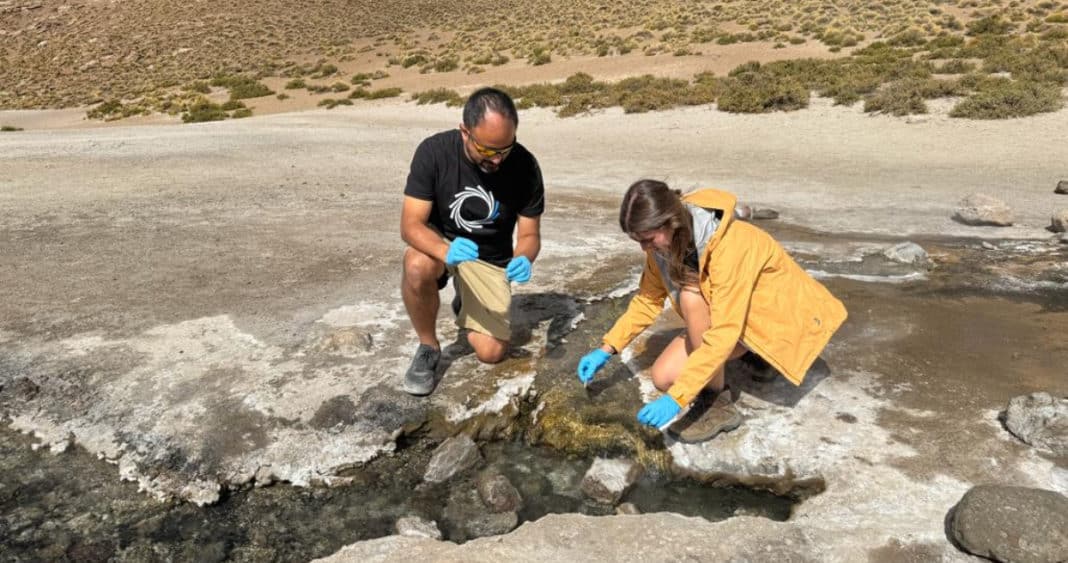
column 488, row 99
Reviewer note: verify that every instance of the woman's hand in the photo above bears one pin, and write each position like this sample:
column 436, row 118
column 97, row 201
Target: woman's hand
column 659, row 412
column 592, row 363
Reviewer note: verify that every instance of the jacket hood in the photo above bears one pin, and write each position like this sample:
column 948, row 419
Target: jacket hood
column 714, row 200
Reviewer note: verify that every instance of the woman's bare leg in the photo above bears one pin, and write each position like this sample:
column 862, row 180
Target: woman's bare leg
column 694, row 311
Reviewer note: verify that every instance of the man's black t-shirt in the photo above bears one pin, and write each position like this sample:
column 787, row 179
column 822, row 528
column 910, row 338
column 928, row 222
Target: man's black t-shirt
column 470, row 203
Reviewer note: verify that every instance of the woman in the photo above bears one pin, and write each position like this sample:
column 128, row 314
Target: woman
column 736, row 290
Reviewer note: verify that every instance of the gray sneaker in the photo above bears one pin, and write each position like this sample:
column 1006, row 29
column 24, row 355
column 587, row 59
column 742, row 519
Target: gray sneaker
column 419, row 379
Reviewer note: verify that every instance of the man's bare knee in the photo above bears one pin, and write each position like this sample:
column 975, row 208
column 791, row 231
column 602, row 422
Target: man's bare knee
column 661, row 380
column 420, row 269
column 488, row 350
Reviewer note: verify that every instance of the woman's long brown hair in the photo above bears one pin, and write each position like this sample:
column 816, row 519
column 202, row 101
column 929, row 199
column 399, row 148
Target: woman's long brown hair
column 649, row 205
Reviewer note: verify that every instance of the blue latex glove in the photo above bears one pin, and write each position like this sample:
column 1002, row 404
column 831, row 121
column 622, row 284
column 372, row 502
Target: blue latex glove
column 461, row 250
column 518, row 269
column 591, row 363
column 659, row 412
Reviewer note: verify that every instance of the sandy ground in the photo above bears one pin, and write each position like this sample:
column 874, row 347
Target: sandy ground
column 205, row 290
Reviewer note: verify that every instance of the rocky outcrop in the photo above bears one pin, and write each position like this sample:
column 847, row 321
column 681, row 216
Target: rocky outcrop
column 609, row 479
column 1062, row 187
column 983, row 210
column 455, row 455
column 1040, row 420
column 1016, row 524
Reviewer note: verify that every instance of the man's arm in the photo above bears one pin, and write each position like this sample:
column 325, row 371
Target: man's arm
column 415, row 230
column 528, row 237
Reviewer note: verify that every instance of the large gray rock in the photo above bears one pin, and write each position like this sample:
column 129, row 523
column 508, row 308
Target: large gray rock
column 1015, row 524
column 906, row 253
column 1040, row 420
column 416, row 527
column 983, row 210
column 498, row 493
column 453, row 456
column 608, row 479
column 1058, row 223
column 1062, row 187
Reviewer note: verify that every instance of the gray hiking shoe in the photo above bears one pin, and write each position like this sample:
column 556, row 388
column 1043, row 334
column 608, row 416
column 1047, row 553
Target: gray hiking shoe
column 711, row 414
column 419, row 379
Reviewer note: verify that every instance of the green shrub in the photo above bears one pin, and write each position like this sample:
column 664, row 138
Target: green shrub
column 539, row 56
column 340, row 87
column 384, row 93
column 956, row 66
column 1061, row 17
column 324, row 70
column 318, row 88
column 413, row 60
column 1003, row 98
column 9, row 128
column 436, row 96
column 990, row 25
column 909, row 38
column 330, row 103
column 759, row 92
column 282, row 96
column 296, row 84
column 241, row 113
column 232, row 105
column 198, row 86
column 241, row 87
column 202, row 111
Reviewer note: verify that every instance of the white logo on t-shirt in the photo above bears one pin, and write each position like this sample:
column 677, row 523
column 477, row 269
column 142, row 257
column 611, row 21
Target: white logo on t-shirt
column 493, row 208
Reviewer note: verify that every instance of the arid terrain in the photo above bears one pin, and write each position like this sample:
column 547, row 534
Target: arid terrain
column 202, row 340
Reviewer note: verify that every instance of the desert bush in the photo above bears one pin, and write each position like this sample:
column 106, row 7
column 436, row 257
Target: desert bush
column 340, row 87
column 282, row 96
column 760, row 92
column 1061, row 17
column 111, row 110
column 956, row 66
column 204, row 110
column 436, row 96
column 324, row 70
column 1002, row 98
column 990, row 25
column 241, row 113
column 9, row 128
column 906, row 97
column 232, row 105
column 296, row 84
column 539, row 56
column 242, row 87
column 413, row 60
column 330, row 103
column 909, row 38
column 384, row 93
column 198, row 86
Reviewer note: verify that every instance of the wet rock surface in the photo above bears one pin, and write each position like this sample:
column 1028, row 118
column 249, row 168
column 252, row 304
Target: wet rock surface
column 498, row 493
column 906, row 253
column 609, row 479
column 1006, row 523
column 453, row 456
column 1040, row 420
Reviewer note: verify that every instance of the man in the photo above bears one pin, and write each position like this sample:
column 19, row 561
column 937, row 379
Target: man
column 467, row 192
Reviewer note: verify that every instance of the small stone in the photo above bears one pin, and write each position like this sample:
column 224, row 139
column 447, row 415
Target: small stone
column 1040, row 420
column 988, row 246
column 1063, row 238
column 628, row 508
column 1059, row 221
column 416, row 527
column 906, row 253
column 1062, row 187
column 765, row 214
column 498, row 493
column 1011, row 524
column 609, row 479
column 453, row 456
column 983, row 210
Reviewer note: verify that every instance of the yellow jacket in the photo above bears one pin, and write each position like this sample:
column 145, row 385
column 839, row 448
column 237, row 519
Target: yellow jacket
column 756, row 293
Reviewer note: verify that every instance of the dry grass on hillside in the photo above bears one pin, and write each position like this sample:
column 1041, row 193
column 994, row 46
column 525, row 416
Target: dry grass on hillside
column 146, row 55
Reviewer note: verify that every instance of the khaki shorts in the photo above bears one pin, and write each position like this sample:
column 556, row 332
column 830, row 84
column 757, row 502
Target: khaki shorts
column 486, row 297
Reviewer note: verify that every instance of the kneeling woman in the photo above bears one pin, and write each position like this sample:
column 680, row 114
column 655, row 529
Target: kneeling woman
column 736, row 290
